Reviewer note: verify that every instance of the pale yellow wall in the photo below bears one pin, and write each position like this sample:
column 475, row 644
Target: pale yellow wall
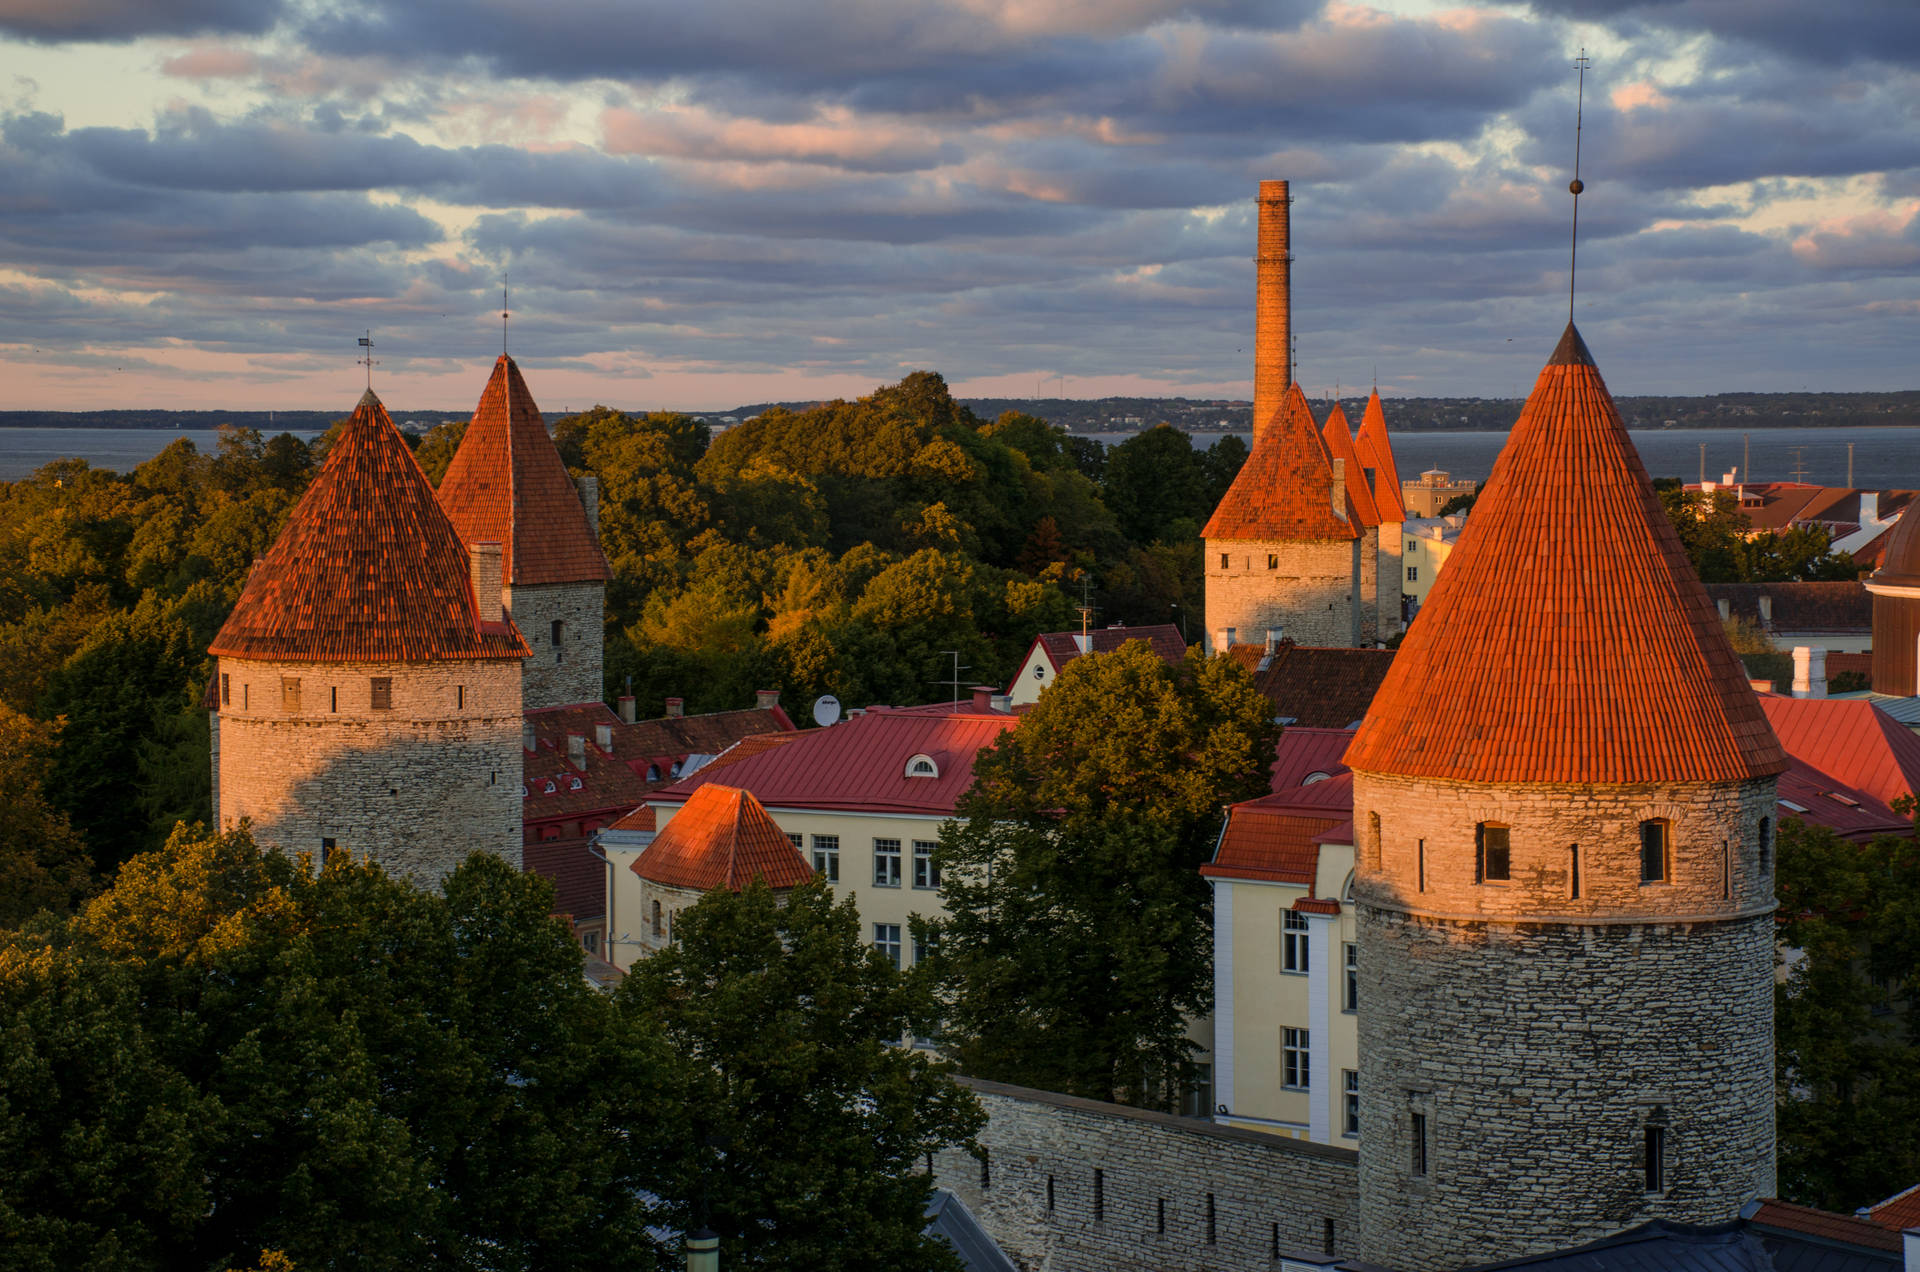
column 1426, row 557
column 1026, row 685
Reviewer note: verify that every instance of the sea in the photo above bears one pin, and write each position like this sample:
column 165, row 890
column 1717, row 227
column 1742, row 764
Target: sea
column 1881, row 458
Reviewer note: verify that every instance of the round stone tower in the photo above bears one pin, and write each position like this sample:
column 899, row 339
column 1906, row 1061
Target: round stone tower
column 508, row 485
column 368, row 683
column 1563, row 796
column 1896, row 611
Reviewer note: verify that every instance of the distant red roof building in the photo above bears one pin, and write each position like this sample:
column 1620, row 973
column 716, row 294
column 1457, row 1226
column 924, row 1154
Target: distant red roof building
column 507, row 485
column 722, row 838
column 1840, row 608
column 1339, row 440
column 1568, row 639
column 367, row 569
column 1052, row 651
column 1282, row 492
column 1376, row 452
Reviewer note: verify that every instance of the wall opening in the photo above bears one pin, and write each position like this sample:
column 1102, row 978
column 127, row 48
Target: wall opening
column 1492, row 853
column 1213, row 1232
column 1656, row 1158
column 1418, row 1164
column 1655, row 846
column 1573, row 871
column 1099, row 1195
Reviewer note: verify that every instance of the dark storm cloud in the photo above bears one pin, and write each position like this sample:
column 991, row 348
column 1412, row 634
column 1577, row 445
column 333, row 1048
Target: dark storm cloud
column 52, row 21
column 1831, row 33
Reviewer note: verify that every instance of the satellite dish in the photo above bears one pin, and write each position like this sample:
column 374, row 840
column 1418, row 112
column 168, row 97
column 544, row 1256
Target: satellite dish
column 826, row 710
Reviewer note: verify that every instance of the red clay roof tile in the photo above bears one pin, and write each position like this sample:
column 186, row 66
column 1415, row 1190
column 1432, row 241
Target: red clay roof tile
column 507, row 484
column 722, row 837
column 1284, row 490
column 1900, row 558
column 1898, row 1212
column 1376, row 452
column 1568, row 639
column 1339, row 440
column 1268, row 843
column 368, row 568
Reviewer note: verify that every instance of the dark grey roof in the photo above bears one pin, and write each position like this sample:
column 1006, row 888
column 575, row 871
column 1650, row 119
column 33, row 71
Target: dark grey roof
column 948, row 1217
column 1739, row 1246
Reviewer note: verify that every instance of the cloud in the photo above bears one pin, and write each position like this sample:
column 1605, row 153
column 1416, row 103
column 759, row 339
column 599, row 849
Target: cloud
column 1832, row 33
column 1876, row 241
column 834, row 136
column 114, row 20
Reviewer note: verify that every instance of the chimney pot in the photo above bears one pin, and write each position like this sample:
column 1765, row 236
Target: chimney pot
column 1809, row 671
column 1001, row 702
column 483, row 566
column 983, row 698
column 676, row 707
column 1766, row 610
column 1223, row 640
column 627, row 712
column 1273, row 640
column 1726, row 608
column 577, row 750
column 603, row 737
column 589, row 486
column 766, row 699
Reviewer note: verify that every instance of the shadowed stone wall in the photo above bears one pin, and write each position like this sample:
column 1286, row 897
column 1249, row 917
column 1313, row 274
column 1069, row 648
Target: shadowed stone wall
column 573, row 672
column 1309, row 593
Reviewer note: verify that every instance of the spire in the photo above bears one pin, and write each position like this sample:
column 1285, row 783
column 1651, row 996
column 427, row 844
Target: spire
column 1568, row 639
column 1376, row 452
column 508, row 484
column 1284, row 490
column 1339, row 442
column 368, row 568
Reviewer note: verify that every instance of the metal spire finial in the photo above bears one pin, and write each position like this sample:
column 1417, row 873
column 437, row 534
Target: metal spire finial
column 366, row 342
column 1576, row 186
column 503, row 313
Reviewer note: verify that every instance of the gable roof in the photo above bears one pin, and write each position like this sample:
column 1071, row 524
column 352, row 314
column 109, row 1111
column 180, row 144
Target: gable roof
column 722, row 838
column 1376, row 452
column 1284, row 490
column 367, row 568
column 1302, row 752
column 1339, row 441
column 1818, row 799
column 507, row 484
column 1568, row 639
column 1850, row 739
column 1317, row 686
column 1063, row 647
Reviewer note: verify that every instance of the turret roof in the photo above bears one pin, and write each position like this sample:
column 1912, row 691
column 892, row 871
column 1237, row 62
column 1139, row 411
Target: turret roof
column 1283, row 491
column 1339, row 440
column 368, row 568
column 1900, row 564
column 508, row 484
column 722, row 837
column 1568, row 639
column 1376, row 452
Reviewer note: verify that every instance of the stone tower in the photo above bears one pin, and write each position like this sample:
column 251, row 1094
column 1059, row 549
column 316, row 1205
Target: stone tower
column 1563, row 796
column 1896, row 611
column 507, row 485
column 1283, row 549
column 1272, row 305
column 368, row 683
column 1339, row 442
column 1376, row 456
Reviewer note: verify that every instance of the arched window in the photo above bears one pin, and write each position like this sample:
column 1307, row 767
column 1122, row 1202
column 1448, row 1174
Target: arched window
column 922, row 766
column 653, row 772
column 548, row 787
column 1315, row 776
column 1346, row 889
column 574, row 783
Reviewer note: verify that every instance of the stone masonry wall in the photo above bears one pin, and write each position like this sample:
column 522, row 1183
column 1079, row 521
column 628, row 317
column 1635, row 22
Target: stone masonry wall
column 1540, row 1034
column 1369, row 585
column 1309, row 593
column 1267, row 1192
column 416, row 786
column 576, row 675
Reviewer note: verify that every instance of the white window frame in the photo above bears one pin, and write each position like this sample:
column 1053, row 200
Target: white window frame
column 1296, row 1060
column 1350, row 1102
column 886, row 939
column 886, row 863
column 1350, row 976
column 826, row 856
column 926, row 875
column 1295, row 959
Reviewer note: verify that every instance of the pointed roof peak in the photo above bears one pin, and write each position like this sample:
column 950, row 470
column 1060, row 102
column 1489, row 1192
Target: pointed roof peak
column 1568, row 639
column 722, row 837
column 367, row 399
column 1340, row 446
column 1284, row 491
column 1376, row 452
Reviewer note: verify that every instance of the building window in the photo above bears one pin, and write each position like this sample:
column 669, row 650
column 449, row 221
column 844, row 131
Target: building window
column 1766, row 841
column 459, row 697
column 886, row 863
column 1413, row 574
column 1654, row 838
column 921, row 945
column 1273, row 560
column 1493, row 853
column 922, row 766
column 590, row 942
column 1099, row 1195
column 1049, row 1192
column 1726, row 869
column 925, row 873
column 1326, row 1237
column 1419, row 1162
column 1293, row 942
column 326, row 850
column 333, row 697
column 383, row 693
column 826, row 856
column 559, row 636
column 1213, row 1235
column 1573, row 871
column 226, row 694
column 659, row 926
column 1160, row 1224
column 1350, row 989
column 986, row 1169
column 1350, row 1101
column 289, row 693
column 1420, row 866
column 886, row 939
column 1656, row 1158
column 1197, row 1100
column 1223, row 560
column 1295, row 1073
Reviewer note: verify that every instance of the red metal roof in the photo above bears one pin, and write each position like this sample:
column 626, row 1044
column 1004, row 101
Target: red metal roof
column 1850, row 739
column 507, row 485
column 722, row 837
column 859, row 765
column 1568, row 639
column 1284, row 490
column 1376, row 452
column 1818, row 798
column 367, row 569
column 1339, row 440
column 1302, row 751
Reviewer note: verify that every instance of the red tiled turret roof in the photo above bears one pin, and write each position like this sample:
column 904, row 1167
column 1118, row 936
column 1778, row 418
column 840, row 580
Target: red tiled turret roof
column 507, row 484
column 1339, row 442
column 368, row 568
column 1568, row 639
column 1900, row 559
column 722, row 837
column 1376, row 452
column 1283, row 491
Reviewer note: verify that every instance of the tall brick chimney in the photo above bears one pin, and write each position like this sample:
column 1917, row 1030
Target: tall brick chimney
column 1272, row 307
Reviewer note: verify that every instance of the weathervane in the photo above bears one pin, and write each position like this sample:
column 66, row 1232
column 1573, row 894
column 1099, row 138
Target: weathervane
column 1576, row 185
column 366, row 342
column 503, row 312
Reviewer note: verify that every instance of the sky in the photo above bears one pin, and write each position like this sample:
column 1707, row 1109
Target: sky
column 704, row 203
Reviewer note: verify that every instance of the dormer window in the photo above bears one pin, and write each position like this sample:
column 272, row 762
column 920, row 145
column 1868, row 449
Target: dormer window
column 574, row 784
column 653, row 772
column 1315, row 776
column 548, row 787
column 922, row 766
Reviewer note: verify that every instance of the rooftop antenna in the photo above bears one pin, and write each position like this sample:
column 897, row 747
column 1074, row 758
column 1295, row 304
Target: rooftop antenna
column 1576, row 186
column 366, row 360
column 1086, row 610
column 503, row 312
column 955, row 681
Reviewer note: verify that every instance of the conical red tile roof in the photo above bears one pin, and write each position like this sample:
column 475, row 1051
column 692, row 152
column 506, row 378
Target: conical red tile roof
column 368, row 568
column 507, row 485
column 1283, row 491
column 1340, row 446
column 1376, row 452
column 1900, row 563
column 722, row 837
column 1568, row 639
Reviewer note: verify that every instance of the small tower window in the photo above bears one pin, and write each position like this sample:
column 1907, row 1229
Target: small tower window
column 290, row 693
column 1273, row 560
column 1656, row 1157
column 326, row 849
column 383, row 693
column 1420, row 869
column 1223, row 560
column 1418, row 1165
column 1493, row 853
column 1766, row 845
column 1373, row 841
column 226, row 698
column 459, row 697
column 1573, row 871
column 559, row 637
column 333, row 697
column 1655, row 834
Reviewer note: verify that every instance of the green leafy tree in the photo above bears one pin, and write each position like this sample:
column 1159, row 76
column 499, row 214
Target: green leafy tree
column 1155, row 484
column 1076, row 946
column 43, row 863
column 809, row 1124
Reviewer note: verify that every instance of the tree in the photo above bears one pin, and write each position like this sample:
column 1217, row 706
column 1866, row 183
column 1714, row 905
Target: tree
column 43, row 863
column 1459, row 503
column 1848, row 1056
column 809, row 1122
column 1076, row 946
column 1154, row 483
